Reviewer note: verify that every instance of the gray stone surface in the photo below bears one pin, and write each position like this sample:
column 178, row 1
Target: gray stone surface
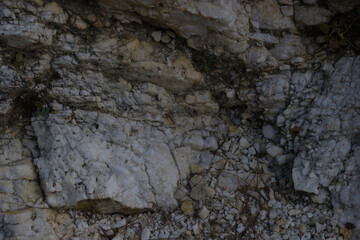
column 288, row 47
column 312, row 16
column 36, row 224
column 195, row 18
column 24, row 30
column 328, row 145
column 113, row 109
column 268, row 15
column 107, row 164
column 342, row 6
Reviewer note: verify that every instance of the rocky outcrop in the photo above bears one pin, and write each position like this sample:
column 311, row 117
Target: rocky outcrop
column 325, row 164
column 220, row 23
column 224, row 103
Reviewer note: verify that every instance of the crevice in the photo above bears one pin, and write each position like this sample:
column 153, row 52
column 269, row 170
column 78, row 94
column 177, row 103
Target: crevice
column 37, row 171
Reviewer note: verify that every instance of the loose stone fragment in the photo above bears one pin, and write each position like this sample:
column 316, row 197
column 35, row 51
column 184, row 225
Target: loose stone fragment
column 347, row 233
column 204, row 213
column 187, row 207
column 156, row 36
column 79, row 23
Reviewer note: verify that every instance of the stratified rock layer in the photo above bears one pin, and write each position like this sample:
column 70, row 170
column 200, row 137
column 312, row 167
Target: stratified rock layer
column 108, row 115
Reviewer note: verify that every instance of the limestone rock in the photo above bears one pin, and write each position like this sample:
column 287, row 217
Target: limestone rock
column 202, row 102
column 115, row 116
column 273, row 93
column 288, row 47
column 36, row 224
column 52, row 12
column 195, row 18
column 18, row 178
column 273, row 150
column 312, row 16
column 310, row 2
column 320, row 162
column 79, row 23
column 287, row 11
column 179, row 75
column 269, row 132
column 285, row 2
column 125, row 174
column 26, row 31
column 184, row 157
column 201, row 15
column 156, row 36
column 257, row 55
column 268, row 15
column 229, row 181
column 204, row 212
column 342, row 6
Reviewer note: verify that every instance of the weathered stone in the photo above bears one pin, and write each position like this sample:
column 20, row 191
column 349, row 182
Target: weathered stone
column 79, row 23
column 211, row 143
column 347, row 233
column 287, row 11
column 310, row 2
column 319, row 163
column 288, row 47
column 228, row 180
column 199, row 192
column 52, row 12
column 26, row 31
column 165, row 38
column 96, row 167
column 179, row 75
column 195, row 12
column 302, row 227
column 269, row 132
column 18, row 178
column 312, row 15
column 145, row 234
column 202, row 102
column 273, row 93
column 342, row 6
column 263, row 37
column 226, row 17
column 219, row 164
column 244, row 143
column 268, row 15
column 195, row 141
column 256, row 55
column 203, row 213
column 156, row 36
column 346, row 202
column 196, row 169
column 36, row 224
column 120, row 121
column 184, row 157
column 274, row 150
column 187, row 207
column 285, row 2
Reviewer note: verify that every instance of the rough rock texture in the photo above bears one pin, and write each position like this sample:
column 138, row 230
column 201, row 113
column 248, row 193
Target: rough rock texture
column 343, row 6
column 325, row 163
column 35, row 224
column 225, row 21
column 312, row 15
column 225, row 108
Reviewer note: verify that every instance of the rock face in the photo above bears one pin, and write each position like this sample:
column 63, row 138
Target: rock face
column 312, row 15
column 110, row 162
column 343, row 6
column 214, row 101
column 325, row 164
column 35, row 224
column 193, row 20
